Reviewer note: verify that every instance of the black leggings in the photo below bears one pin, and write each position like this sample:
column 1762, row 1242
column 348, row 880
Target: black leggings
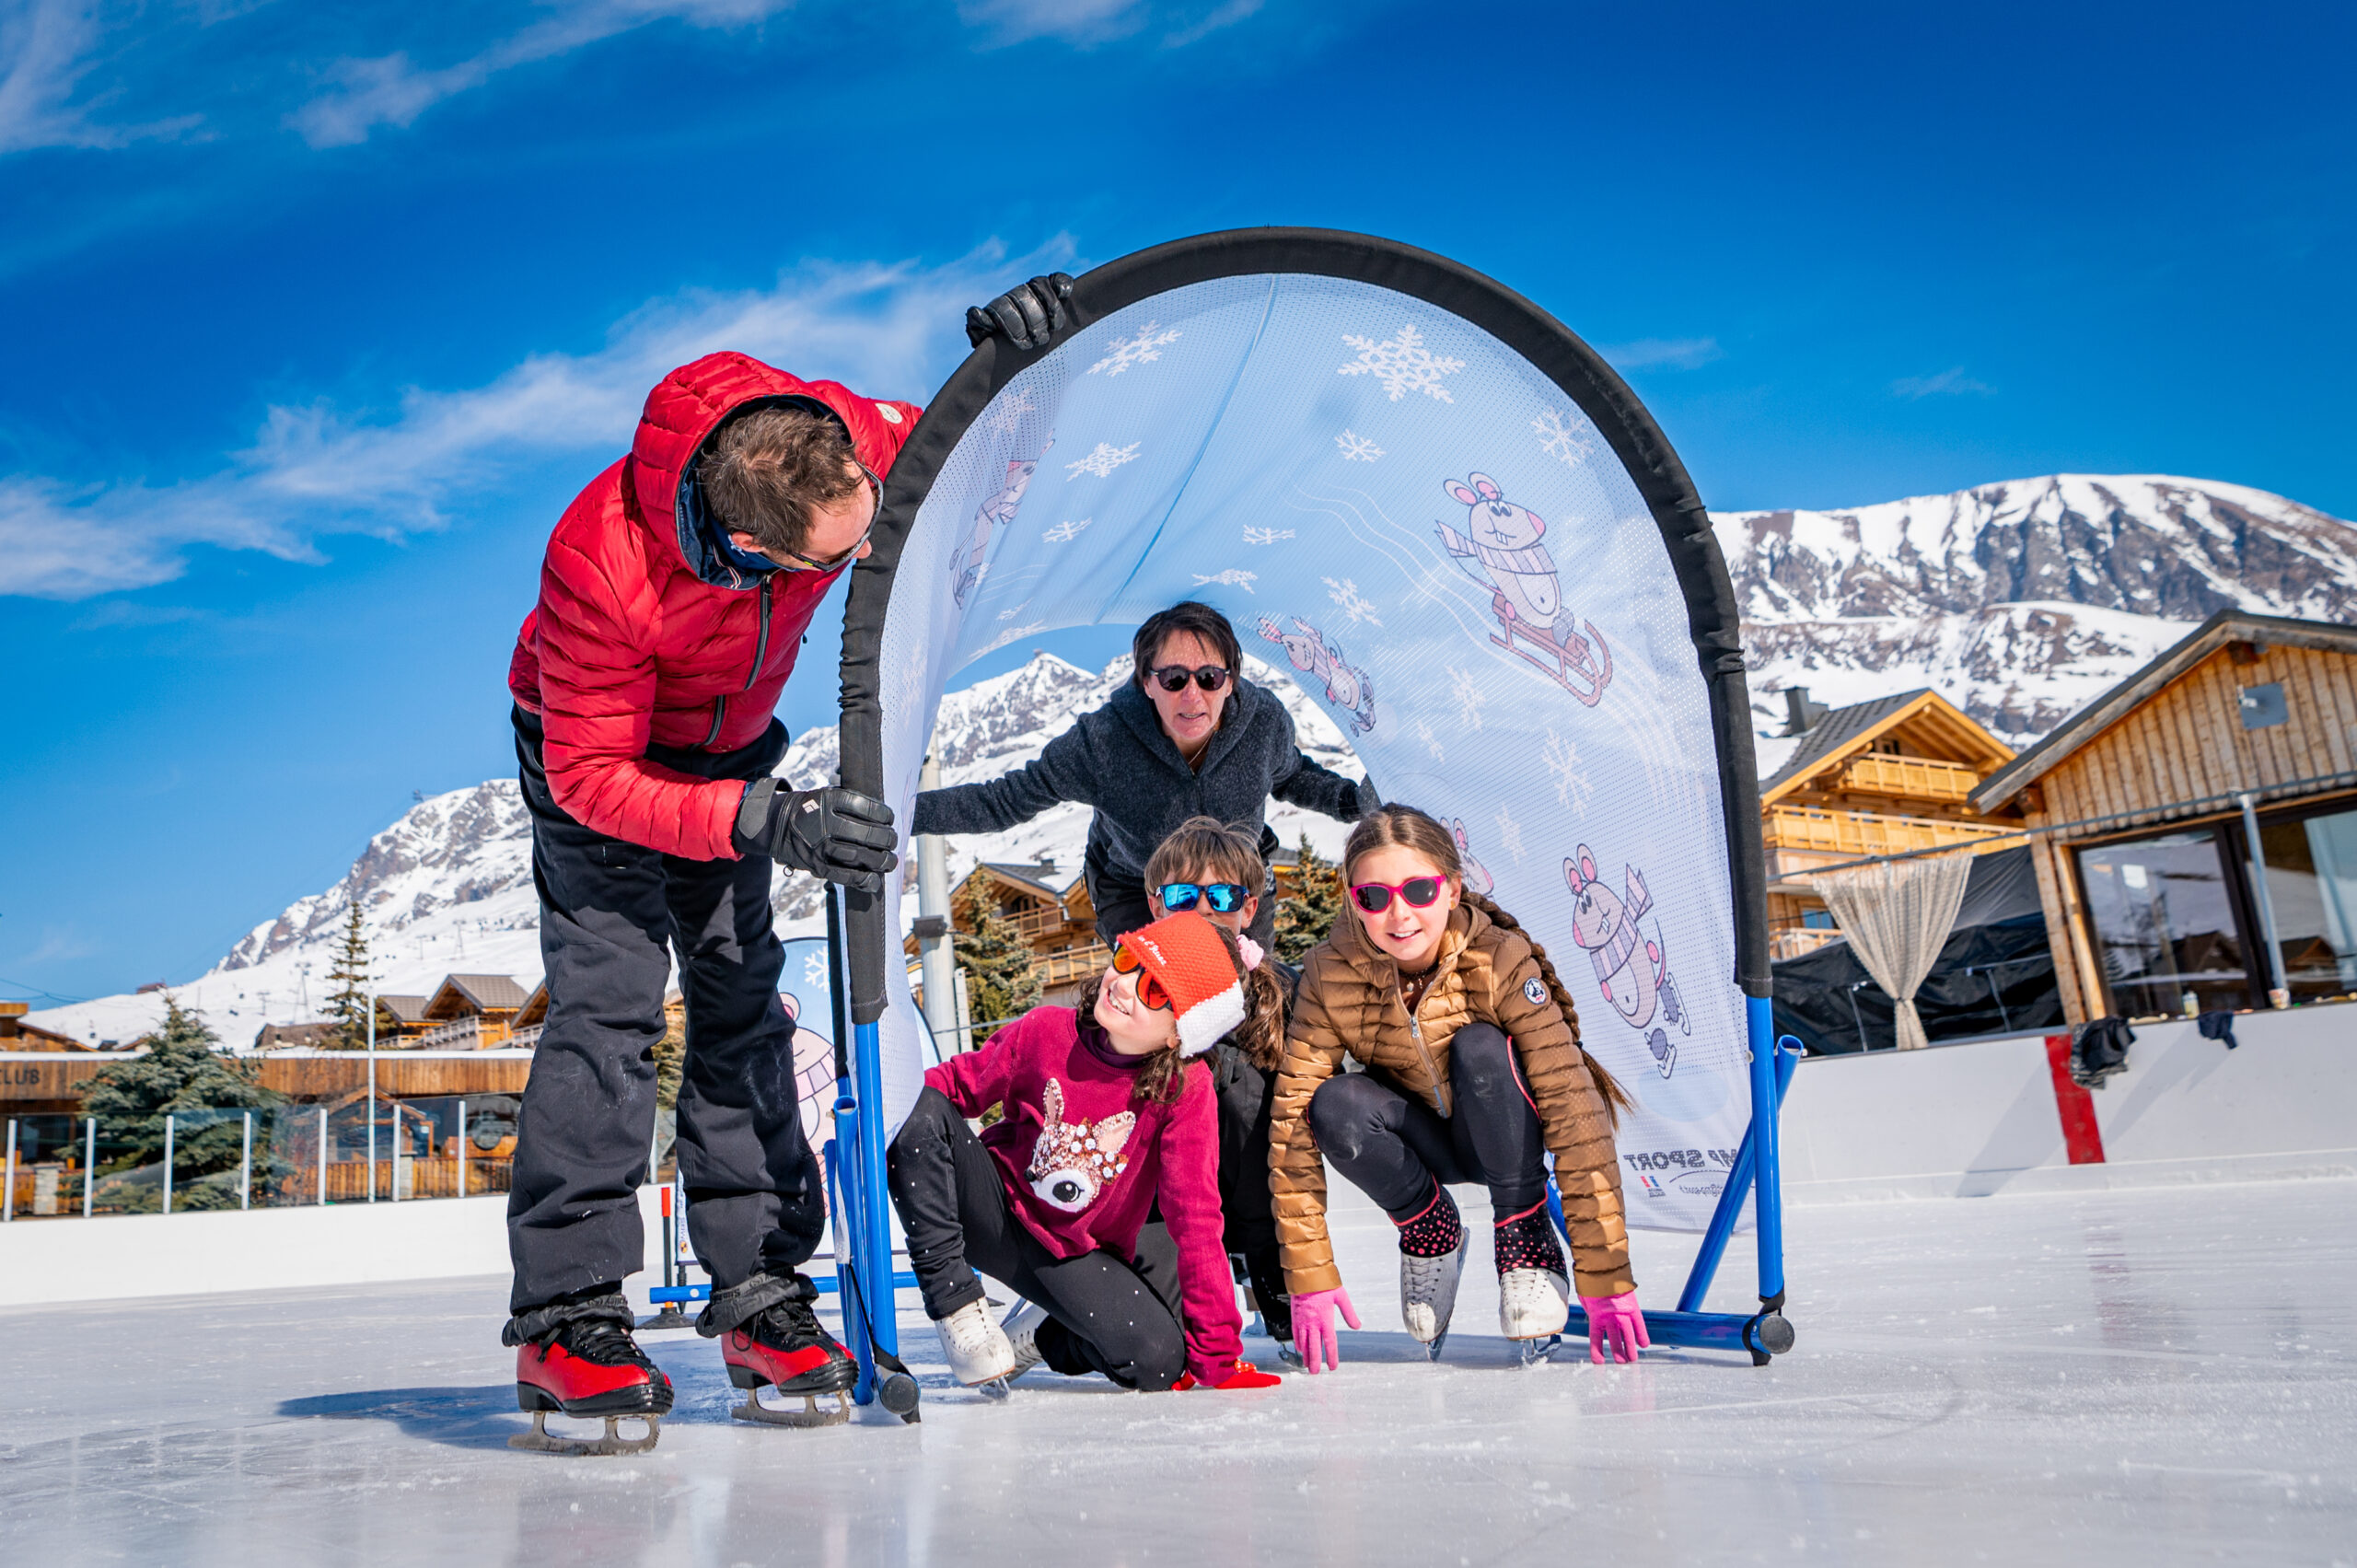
column 1394, row 1146
column 1106, row 1314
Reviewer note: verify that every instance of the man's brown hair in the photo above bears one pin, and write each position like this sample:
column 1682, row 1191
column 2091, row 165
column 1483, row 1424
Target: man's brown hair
column 764, row 470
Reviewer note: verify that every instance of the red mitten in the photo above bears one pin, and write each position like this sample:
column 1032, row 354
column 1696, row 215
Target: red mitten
column 1244, row 1375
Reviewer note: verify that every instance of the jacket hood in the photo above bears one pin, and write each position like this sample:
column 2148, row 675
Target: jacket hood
column 681, row 415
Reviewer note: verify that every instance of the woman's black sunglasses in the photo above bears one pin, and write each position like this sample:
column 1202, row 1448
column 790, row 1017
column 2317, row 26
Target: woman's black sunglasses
column 1226, row 898
column 1174, row 677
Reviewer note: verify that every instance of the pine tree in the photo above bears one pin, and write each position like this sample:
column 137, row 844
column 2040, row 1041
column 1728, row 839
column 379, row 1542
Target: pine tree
column 349, row 1003
column 1307, row 914
column 183, row 1072
column 1001, row 982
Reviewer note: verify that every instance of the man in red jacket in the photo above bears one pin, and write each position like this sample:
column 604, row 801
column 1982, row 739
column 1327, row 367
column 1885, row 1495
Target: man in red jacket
column 673, row 600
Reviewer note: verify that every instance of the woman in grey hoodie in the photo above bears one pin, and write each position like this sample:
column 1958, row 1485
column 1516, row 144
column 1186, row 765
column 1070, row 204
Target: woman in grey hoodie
column 1188, row 736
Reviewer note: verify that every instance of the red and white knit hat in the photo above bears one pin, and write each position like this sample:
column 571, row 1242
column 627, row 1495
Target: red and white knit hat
column 1185, row 954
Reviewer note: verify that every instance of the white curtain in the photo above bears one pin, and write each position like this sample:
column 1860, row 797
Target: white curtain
column 1898, row 916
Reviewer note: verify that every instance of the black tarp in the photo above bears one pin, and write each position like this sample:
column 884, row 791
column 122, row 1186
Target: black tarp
column 1995, row 973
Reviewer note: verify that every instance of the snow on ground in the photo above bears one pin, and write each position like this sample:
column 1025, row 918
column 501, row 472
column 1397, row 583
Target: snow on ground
column 2091, row 1379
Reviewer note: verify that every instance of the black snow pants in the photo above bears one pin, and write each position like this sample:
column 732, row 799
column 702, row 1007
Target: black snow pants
column 1106, row 1313
column 1244, row 1093
column 611, row 913
column 1393, row 1146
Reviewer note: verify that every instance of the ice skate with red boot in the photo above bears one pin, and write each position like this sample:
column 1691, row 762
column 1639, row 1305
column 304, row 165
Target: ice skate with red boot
column 781, row 1345
column 579, row 1360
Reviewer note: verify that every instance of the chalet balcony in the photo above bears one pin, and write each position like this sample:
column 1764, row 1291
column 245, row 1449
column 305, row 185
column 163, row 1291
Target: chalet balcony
column 1912, row 778
column 1858, row 834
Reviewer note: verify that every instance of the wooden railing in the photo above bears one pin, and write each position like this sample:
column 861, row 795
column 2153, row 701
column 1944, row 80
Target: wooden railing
column 1073, row 963
column 1866, row 832
column 1918, row 777
column 299, row 1186
column 1792, row 941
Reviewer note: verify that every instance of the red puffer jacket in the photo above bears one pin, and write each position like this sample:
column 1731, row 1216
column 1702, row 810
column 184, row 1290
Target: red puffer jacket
column 645, row 636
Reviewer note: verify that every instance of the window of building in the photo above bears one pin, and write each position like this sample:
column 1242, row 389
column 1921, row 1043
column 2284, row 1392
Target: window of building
column 1816, row 919
column 2312, row 885
column 2164, row 928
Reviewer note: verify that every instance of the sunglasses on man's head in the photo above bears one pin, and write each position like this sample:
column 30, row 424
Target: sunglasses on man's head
column 1174, row 677
column 1226, row 898
column 1150, row 990
column 1420, row 892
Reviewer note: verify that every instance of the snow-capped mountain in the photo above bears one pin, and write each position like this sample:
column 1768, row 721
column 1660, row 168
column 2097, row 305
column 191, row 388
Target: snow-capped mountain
column 2023, row 601
column 2020, row 601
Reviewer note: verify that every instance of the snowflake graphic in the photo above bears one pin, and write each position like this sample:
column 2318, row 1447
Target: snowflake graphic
column 1064, row 533
column 908, row 690
column 1469, row 696
column 1235, row 577
column 1572, row 786
column 1404, row 364
column 1357, row 448
column 1011, row 411
column 1142, row 349
column 814, row 967
column 1347, row 599
column 1559, row 438
column 1265, row 536
column 1510, row 833
column 1102, row 461
column 1432, row 742
column 1010, row 614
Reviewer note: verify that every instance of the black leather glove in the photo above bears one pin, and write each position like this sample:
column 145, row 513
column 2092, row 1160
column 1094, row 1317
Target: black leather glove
column 837, row 835
column 1028, row 315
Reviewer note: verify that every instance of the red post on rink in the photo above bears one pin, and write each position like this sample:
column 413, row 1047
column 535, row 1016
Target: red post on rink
column 2080, row 1136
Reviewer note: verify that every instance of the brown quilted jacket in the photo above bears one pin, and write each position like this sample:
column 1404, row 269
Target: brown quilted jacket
column 1489, row 972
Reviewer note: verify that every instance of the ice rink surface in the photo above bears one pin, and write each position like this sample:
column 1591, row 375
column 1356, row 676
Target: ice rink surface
column 2160, row 1376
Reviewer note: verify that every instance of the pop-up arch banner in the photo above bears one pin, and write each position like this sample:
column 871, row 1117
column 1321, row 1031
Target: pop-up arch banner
column 1464, row 536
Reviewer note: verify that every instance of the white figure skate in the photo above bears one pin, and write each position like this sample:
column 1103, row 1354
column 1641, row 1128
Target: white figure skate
column 976, row 1348
column 1428, row 1294
column 1022, row 1329
column 1533, row 1306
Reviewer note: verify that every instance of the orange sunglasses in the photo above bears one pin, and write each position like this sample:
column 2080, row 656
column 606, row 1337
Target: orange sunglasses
column 1150, row 990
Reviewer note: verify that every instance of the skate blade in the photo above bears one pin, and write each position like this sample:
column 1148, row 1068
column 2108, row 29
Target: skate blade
column 997, row 1390
column 811, row 1414
column 540, row 1440
column 1432, row 1345
column 1533, row 1351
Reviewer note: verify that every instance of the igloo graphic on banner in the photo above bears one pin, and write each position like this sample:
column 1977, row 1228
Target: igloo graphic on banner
column 1458, row 529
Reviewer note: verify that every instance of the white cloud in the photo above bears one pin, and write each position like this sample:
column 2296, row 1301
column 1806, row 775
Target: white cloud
column 389, row 90
column 1074, row 22
column 883, row 329
column 46, row 48
column 1951, row 382
column 1647, row 354
column 1225, row 15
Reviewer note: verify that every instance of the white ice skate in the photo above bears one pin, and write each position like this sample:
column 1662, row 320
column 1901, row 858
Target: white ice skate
column 1533, row 1306
column 1428, row 1294
column 976, row 1348
column 1022, row 1329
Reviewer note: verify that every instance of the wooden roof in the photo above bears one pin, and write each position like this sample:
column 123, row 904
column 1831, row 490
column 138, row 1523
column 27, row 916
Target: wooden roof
column 460, row 994
column 535, row 1009
column 2225, row 627
column 403, row 1007
column 1923, row 719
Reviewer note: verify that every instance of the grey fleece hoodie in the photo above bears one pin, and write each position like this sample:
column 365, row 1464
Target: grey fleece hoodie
column 1118, row 760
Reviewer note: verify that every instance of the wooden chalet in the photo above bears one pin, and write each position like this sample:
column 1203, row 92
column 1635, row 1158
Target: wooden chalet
column 2201, row 851
column 470, row 1012
column 17, row 1035
column 1876, row 778
column 400, row 1019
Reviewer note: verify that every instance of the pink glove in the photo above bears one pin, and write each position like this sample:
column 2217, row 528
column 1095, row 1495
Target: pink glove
column 1613, row 1320
column 1312, row 1326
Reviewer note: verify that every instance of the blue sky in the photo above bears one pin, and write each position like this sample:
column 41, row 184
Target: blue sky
column 318, row 315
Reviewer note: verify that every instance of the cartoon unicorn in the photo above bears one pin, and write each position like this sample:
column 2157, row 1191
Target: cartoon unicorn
column 1347, row 686
column 1075, row 1161
column 1500, row 546
column 999, row 509
column 1477, row 876
column 1607, row 925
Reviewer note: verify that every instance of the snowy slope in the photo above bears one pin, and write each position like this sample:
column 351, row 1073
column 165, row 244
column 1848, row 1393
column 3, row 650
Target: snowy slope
column 2019, row 601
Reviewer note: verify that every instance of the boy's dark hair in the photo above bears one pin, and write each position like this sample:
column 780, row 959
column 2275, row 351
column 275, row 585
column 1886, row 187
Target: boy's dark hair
column 1185, row 616
column 762, row 471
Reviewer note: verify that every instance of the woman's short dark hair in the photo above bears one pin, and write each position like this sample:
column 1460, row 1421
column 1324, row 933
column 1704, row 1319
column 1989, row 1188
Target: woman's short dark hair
column 1185, row 616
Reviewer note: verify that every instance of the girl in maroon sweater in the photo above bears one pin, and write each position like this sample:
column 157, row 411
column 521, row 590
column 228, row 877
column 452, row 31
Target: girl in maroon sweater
column 1105, row 1113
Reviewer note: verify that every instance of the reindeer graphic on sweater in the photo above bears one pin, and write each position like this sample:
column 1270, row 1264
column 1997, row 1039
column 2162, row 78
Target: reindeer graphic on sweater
column 1633, row 973
column 1075, row 1161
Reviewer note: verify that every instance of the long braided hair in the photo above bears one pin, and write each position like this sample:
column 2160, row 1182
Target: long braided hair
column 1418, row 831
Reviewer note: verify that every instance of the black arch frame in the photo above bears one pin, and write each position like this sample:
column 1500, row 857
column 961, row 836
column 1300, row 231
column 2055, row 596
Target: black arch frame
column 1574, row 367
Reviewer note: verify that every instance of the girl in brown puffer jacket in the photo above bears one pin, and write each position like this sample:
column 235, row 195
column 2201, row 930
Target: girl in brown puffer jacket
column 1474, row 1073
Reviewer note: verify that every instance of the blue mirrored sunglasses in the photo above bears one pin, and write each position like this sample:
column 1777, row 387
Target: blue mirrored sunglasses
column 1226, row 898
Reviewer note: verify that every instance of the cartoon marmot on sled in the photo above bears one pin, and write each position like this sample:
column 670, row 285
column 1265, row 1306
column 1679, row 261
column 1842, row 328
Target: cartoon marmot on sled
column 1630, row 969
column 1500, row 546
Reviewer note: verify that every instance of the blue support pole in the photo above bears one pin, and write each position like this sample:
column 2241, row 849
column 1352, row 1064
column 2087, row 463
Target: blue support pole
column 1767, row 1210
column 875, row 1232
column 1739, row 1180
column 840, row 1208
